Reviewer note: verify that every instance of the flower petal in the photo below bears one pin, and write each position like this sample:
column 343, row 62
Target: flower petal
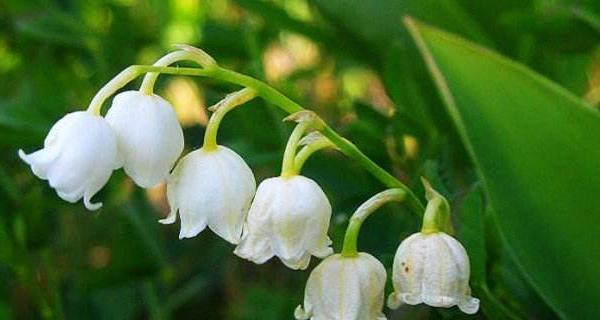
column 171, row 218
column 469, row 305
column 150, row 138
column 78, row 157
column 301, row 313
column 211, row 188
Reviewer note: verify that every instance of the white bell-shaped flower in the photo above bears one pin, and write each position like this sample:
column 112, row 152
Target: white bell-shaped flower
column 149, row 136
column 432, row 269
column 345, row 288
column 213, row 188
column 79, row 155
column 289, row 218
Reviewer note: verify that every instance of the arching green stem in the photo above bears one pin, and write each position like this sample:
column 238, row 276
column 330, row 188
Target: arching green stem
column 124, row 77
column 185, row 53
column 275, row 97
column 318, row 142
column 220, row 109
column 362, row 213
column 116, row 83
column 288, row 167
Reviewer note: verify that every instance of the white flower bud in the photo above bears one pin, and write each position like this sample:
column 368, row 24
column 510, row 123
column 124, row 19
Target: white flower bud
column 211, row 188
column 150, row 138
column 345, row 288
column 79, row 155
column 432, row 269
column 289, row 218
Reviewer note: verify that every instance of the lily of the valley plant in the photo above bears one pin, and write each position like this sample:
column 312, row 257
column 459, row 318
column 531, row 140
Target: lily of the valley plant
column 286, row 216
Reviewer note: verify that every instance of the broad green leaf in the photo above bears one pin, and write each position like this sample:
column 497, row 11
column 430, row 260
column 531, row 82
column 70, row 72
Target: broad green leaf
column 471, row 232
column 536, row 148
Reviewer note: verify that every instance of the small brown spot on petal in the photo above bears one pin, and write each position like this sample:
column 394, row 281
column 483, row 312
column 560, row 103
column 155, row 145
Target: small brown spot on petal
column 406, row 269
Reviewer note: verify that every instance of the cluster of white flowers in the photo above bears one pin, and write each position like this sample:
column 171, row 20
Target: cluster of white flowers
column 430, row 267
column 140, row 133
column 286, row 216
column 211, row 186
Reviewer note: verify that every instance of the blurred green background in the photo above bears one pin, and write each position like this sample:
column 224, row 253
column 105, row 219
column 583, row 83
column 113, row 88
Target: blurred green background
column 351, row 61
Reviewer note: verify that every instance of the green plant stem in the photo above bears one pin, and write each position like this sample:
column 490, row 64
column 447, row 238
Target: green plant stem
column 309, row 150
column 269, row 94
column 220, row 109
column 349, row 248
column 430, row 217
column 437, row 213
column 184, row 52
column 147, row 86
column 156, row 309
column 288, row 167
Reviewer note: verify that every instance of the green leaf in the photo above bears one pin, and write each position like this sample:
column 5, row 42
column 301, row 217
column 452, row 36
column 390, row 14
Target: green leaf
column 374, row 30
column 377, row 23
column 537, row 151
column 472, row 232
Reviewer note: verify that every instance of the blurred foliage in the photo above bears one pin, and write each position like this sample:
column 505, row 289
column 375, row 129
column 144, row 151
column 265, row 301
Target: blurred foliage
column 352, row 61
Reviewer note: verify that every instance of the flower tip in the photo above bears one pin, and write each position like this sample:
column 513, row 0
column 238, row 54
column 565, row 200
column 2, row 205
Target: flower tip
column 190, row 232
column 297, row 263
column 170, row 219
column 469, row 306
column 89, row 205
column 301, row 314
column 393, row 301
column 302, row 265
column 22, row 155
column 147, row 182
column 324, row 251
column 245, row 250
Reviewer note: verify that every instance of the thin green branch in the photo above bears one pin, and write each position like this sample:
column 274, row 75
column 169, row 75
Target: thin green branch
column 271, row 95
column 316, row 142
column 288, row 167
column 362, row 213
column 219, row 110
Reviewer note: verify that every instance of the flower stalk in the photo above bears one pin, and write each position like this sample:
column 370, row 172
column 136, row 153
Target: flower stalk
column 219, row 110
column 312, row 143
column 305, row 119
column 269, row 94
column 349, row 248
column 185, row 52
column 437, row 213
